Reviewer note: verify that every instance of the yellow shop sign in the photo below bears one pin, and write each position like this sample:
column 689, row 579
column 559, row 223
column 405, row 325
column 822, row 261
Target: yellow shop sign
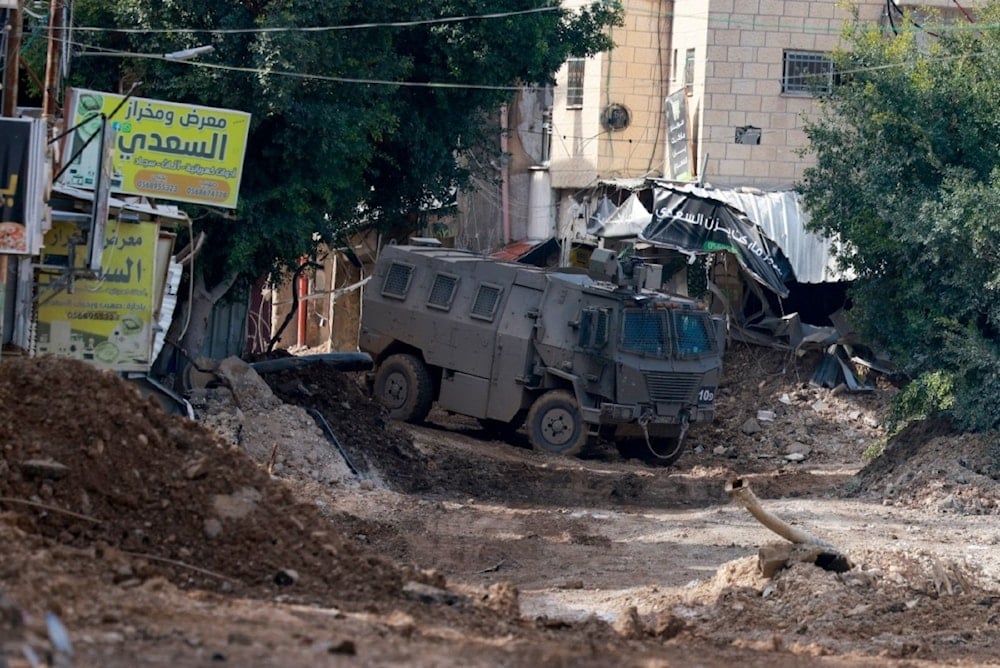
column 166, row 150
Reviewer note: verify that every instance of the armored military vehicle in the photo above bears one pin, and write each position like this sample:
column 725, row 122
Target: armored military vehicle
column 567, row 354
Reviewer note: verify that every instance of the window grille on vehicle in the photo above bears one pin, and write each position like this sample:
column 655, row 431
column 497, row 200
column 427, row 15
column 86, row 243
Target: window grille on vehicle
column 694, row 334
column 485, row 306
column 397, row 280
column 442, row 291
column 645, row 332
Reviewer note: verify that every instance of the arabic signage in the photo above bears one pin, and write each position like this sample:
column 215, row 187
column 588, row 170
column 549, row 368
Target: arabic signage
column 106, row 320
column 165, row 150
column 15, row 142
column 678, row 153
column 689, row 223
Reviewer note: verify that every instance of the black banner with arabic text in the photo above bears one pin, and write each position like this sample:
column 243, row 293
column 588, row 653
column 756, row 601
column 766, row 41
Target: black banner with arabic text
column 687, row 222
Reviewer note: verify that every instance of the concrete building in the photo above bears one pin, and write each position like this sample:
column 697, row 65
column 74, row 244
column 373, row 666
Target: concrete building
column 747, row 69
column 738, row 73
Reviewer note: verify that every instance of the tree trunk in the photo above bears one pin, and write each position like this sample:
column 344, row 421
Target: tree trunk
column 194, row 318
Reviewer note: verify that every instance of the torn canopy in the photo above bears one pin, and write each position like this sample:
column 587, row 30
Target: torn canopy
column 694, row 224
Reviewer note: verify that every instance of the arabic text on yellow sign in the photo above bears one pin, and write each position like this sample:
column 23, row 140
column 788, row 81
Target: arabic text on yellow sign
column 107, row 320
column 165, row 150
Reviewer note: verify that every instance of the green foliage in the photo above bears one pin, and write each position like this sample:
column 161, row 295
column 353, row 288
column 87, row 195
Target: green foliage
column 345, row 143
column 929, row 394
column 907, row 156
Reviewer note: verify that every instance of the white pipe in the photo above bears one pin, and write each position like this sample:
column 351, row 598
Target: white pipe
column 504, row 177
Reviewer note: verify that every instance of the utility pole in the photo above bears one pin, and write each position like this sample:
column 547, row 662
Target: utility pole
column 11, row 70
column 52, row 63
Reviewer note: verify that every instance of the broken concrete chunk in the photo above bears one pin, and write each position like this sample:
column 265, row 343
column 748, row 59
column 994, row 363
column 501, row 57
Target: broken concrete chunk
column 44, row 468
column 427, row 594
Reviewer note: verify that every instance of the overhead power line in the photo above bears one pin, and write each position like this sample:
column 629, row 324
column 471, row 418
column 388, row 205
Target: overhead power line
column 355, row 26
column 297, row 75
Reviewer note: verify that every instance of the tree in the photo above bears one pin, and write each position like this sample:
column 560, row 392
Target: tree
column 907, row 156
column 360, row 109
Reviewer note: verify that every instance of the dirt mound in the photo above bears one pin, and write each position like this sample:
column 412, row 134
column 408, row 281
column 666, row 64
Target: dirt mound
column 87, row 462
column 929, row 464
column 361, row 426
column 890, row 598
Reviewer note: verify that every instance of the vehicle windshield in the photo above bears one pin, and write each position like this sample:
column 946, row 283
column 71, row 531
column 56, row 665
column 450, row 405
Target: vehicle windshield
column 645, row 332
column 693, row 336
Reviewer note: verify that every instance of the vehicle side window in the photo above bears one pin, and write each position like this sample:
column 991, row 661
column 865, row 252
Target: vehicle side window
column 487, row 300
column 397, row 280
column 593, row 328
column 442, row 291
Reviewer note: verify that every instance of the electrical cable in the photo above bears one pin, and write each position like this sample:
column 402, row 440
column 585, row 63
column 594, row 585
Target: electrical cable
column 355, row 26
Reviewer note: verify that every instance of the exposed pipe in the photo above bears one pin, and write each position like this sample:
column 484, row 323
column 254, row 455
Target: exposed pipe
column 52, row 59
column 295, row 302
column 12, row 60
column 504, row 177
column 302, row 289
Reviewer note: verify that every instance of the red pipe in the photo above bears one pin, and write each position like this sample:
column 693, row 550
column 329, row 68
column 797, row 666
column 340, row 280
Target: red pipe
column 303, row 288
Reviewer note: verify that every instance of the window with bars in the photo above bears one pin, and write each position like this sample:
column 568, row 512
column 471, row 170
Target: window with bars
column 397, row 280
column 807, row 73
column 487, row 299
column 574, row 82
column 689, row 72
column 442, row 291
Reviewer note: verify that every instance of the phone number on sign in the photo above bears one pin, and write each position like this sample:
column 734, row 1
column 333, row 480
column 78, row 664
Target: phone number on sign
column 92, row 315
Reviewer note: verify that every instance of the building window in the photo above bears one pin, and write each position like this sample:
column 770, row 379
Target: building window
column 574, row 83
column 689, row 72
column 807, row 72
column 673, row 67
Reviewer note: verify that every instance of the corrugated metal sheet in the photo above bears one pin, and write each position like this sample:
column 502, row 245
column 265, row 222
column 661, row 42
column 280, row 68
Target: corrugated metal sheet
column 781, row 216
column 511, row 252
column 174, row 272
column 227, row 330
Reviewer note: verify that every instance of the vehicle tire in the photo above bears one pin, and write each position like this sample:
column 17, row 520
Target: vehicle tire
column 555, row 424
column 404, row 386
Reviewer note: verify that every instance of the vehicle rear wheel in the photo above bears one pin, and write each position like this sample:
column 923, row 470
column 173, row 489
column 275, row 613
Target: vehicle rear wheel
column 555, row 424
column 404, row 386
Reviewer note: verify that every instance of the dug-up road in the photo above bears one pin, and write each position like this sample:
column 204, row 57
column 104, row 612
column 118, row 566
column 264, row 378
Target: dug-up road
column 248, row 539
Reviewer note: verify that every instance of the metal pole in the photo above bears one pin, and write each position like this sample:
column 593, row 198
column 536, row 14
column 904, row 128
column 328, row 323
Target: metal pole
column 52, row 58
column 12, row 60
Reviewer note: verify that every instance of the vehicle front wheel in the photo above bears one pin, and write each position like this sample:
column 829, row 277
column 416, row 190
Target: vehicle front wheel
column 555, row 424
column 404, row 386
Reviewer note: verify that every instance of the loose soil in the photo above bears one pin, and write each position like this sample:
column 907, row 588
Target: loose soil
column 292, row 524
